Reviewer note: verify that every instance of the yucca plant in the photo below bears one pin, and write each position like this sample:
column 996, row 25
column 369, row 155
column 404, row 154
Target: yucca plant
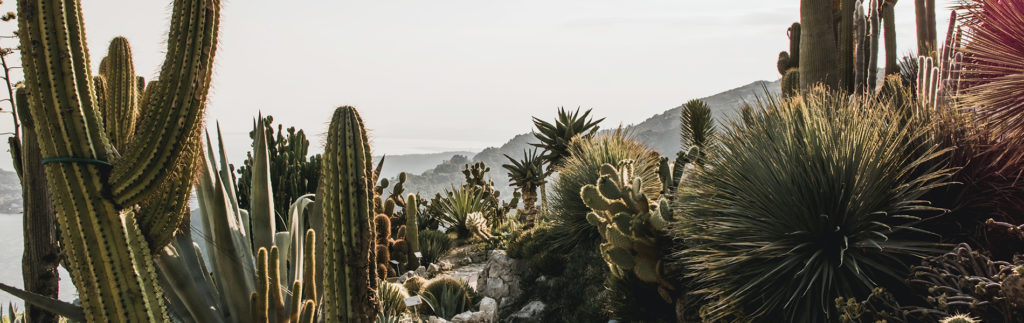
column 814, row 198
column 447, row 297
column 527, row 174
column 392, row 296
column 697, row 128
column 582, row 168
column 992, row 69
column 456, row 205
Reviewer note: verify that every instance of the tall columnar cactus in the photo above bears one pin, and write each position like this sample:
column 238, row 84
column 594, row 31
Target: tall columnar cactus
column 818, row 59
column 927, row 42
column 789, row 62
column 107, row 255
column 889, row 30
column 346, row 178
column 868, row 30
column 630, row 223
column 120, row 108
column 412, row 229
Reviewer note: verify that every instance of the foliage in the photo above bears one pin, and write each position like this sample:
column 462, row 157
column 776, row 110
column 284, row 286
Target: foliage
column 569, row 213
column 555, row 139
column 447, row 297
column 966, row 281
column 993, row 65
column 814, row 199
column 454, row 207
column 433, row 245
column 392, row 298
column 528, row 175
column 292, row 173
column 697, row 129
column 414, row 285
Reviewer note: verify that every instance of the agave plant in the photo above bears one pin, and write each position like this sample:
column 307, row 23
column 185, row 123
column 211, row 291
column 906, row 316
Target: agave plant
column 817, row 197
column 555, row 138
column 447, row 297
column 583, row 168
column 456, row 205
column 992, row 69
column 528, row 175
column 292, row 171
column 697, row 128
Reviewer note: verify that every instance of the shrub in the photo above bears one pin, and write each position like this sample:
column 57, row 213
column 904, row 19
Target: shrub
column 433, row 245
column 446, row 297
column 587, row 154
column 455, row 205
column 414, row 285
column 816, row 197
column 392, row 298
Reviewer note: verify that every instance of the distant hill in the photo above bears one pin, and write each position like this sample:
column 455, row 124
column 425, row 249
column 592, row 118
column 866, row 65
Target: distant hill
column 414, row 163
column 660, row 132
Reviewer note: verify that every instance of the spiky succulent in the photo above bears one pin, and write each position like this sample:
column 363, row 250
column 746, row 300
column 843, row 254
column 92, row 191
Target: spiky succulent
column 555, row 138
column 457, row 203
column 527, row 174
column 814, row 198
column 697, row 128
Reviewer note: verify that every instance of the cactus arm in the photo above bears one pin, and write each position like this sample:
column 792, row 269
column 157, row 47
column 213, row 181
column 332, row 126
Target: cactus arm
column 261, row 197
column 261, row 296
column 122, row 95
column 346, row 177
column 412, row 229
column 160, row 216
column 309, row 272
column 174, row 110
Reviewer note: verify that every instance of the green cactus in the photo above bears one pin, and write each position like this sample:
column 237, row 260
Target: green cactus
column 293, row 172
column 477, row 225
column 791, row 82
column 794, row 45
column 108, row 261
column 347, row 202
column 412, row 229
column 382, row 244
column 818, row 59
column 446, row 296
column 414, row 285
column 630, row 224
column 120, row 108
column 958, row 318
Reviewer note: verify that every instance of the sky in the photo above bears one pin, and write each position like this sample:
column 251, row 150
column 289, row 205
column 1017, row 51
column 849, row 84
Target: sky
column 446, row 75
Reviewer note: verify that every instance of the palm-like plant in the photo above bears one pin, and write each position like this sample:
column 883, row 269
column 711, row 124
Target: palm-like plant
column 993, row 65
column 555, row 138
column 454, row 207
column 527, row 174
column 814, row 198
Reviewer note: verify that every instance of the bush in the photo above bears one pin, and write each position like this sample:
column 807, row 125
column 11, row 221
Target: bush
column 455, row 205
column 447, row 297
column 433, row 245
column 587, row 154
column 392, row 298
column 816, row 197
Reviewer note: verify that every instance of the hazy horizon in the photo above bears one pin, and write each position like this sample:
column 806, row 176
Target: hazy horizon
column 420, row 71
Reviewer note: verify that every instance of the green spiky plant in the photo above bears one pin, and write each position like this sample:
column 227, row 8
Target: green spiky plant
column 528, row 175
column 555, row 139
column 108, row 252
column 818, row 59
column 582, row 168
column 293, row 171
column 412, row 230
column 434, row 244
column 224, row 290
column 815, row 198
column 347, row 205
column 414, row 285
column 789, row 62
column 382, row 243
column 446, row 297
column 457, row 203
column 392, row 297
column 697, row 130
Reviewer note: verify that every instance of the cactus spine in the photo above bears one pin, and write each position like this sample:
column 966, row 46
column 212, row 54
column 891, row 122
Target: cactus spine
column 347, row 202
column 108, row 257
column 412, row 229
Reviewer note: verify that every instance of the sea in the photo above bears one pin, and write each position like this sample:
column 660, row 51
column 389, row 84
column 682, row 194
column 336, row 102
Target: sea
column 11, row 248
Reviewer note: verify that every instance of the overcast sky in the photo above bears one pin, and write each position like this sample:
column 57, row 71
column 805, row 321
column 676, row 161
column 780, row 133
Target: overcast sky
column 431, row 76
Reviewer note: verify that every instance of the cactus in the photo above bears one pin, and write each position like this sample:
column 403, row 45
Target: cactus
column 924, row 12
column 414, row 285
column 889, row 30
column 392, row 298
column 347, row 202
column 868, row 31
column 630, row 224
column 121, row 94
column 293, row 172
column 477, row 225
column 791, row 82
column 817, row 44
column 382, row 243
column 412, row 229
column 446, row 296
column 106, row 252
column 958, row 318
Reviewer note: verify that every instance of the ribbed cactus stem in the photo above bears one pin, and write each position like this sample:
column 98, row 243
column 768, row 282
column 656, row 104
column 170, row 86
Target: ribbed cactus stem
column 108, row 260
column 346, row 176
column 309, row 265
column 412, row 229
column 818, row 61
column 174, row 111
column 261, row 296
column 122, row 94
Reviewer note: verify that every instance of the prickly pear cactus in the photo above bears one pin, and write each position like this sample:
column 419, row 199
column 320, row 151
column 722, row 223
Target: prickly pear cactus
column 630, row 224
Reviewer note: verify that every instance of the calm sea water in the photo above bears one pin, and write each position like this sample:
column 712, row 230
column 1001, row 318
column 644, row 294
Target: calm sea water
column 11, row 247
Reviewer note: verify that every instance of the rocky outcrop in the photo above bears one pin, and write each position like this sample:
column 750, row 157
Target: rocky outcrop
column 532, row 312
column 500, row 279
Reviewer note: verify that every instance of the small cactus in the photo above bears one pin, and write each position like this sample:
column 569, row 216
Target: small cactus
column 414, row 285
column 958, row 318
column 477, row 225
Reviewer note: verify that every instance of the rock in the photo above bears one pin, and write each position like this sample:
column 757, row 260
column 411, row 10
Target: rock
column 466, row 261
column 489, row 309
column 478, row 256
column 433, row 270
column 406, row 276
column 435, row 319
column 530, row 313
column 421, row 271
column 465, row 317
column 444, row 265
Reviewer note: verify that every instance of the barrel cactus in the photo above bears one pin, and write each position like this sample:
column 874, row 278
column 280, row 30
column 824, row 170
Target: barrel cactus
column 347, row 204
column 108, row 245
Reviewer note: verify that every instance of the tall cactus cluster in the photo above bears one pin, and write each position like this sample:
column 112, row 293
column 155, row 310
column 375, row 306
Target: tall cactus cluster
column 347, row 204
column 789, row 62
column 94, row 191
column 839, row 44
column 382, row 245
column 631, row 225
